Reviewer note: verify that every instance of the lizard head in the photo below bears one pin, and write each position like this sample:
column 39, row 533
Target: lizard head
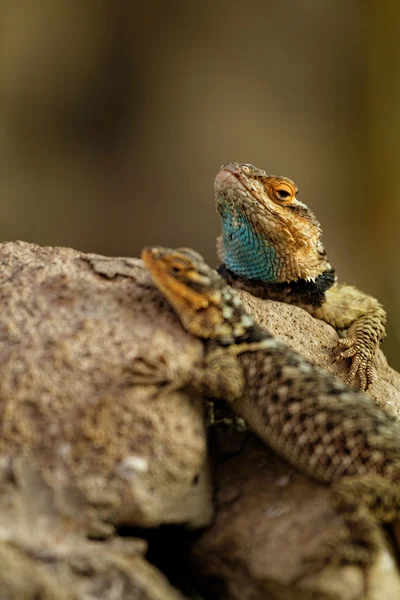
column 267, row 233
column 205, row 304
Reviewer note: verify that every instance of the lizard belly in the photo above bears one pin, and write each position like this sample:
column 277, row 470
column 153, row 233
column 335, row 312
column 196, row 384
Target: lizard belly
column 245, row 251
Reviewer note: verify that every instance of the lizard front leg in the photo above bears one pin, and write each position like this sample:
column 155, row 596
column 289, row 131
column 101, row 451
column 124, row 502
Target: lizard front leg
column 220, row 377
column 345, row 307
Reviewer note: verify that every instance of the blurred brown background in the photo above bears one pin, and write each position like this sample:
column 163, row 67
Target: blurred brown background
column 115, row 117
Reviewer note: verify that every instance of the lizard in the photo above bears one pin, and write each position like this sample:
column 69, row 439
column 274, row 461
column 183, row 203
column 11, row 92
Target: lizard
column 328, row 430
column 271, row 247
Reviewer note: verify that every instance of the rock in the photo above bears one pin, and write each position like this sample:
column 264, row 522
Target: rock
column 94, row 434
column 46, row 555
column 79, row 572
column 270, row 522
column 314, row 339
column 72, row 329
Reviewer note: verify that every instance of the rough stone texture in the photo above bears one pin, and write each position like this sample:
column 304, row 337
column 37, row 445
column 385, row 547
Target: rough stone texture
column 72, row 327
column 271, row 519
column 81, row 572
column 46, row 555
column 84, row 447
column 315, row 339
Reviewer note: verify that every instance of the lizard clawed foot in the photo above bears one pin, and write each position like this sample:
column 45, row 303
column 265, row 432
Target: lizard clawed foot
column 361, row 361
column 146, row 371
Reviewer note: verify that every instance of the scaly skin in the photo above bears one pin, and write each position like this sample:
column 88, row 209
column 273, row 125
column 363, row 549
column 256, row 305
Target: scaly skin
column 271, row 246
column 329, row 431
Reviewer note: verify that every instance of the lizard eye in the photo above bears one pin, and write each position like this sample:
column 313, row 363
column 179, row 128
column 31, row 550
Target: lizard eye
column 283, row 194
column 246, row 170
column 282, row 190
column 177, row 267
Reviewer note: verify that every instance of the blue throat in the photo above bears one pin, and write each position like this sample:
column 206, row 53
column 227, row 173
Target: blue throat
column 246, row 253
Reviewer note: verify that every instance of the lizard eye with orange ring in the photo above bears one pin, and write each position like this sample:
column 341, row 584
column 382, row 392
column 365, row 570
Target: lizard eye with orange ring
column 282, row 190
column 246, row 170
column 178, row 266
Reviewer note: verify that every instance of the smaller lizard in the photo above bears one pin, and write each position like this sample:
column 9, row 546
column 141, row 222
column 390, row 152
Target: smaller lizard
column 271, row 246
column 324, row 428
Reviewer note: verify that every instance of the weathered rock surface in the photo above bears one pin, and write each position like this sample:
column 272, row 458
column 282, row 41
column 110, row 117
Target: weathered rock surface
column 83, row 447
column 270, row 520
column 80, row 571
column 315, row 340
column 71, row 328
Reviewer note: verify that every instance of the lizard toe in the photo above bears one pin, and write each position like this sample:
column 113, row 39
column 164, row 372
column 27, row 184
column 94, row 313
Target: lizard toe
column 354, row 369
column 145, row 372
column 369, row 374
column 365, row 374
column 150, row 372
column 361, row 365
column 346, row 354
column 344, row 343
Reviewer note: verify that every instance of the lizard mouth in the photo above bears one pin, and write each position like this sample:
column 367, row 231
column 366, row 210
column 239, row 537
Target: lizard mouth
column 236, row 185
